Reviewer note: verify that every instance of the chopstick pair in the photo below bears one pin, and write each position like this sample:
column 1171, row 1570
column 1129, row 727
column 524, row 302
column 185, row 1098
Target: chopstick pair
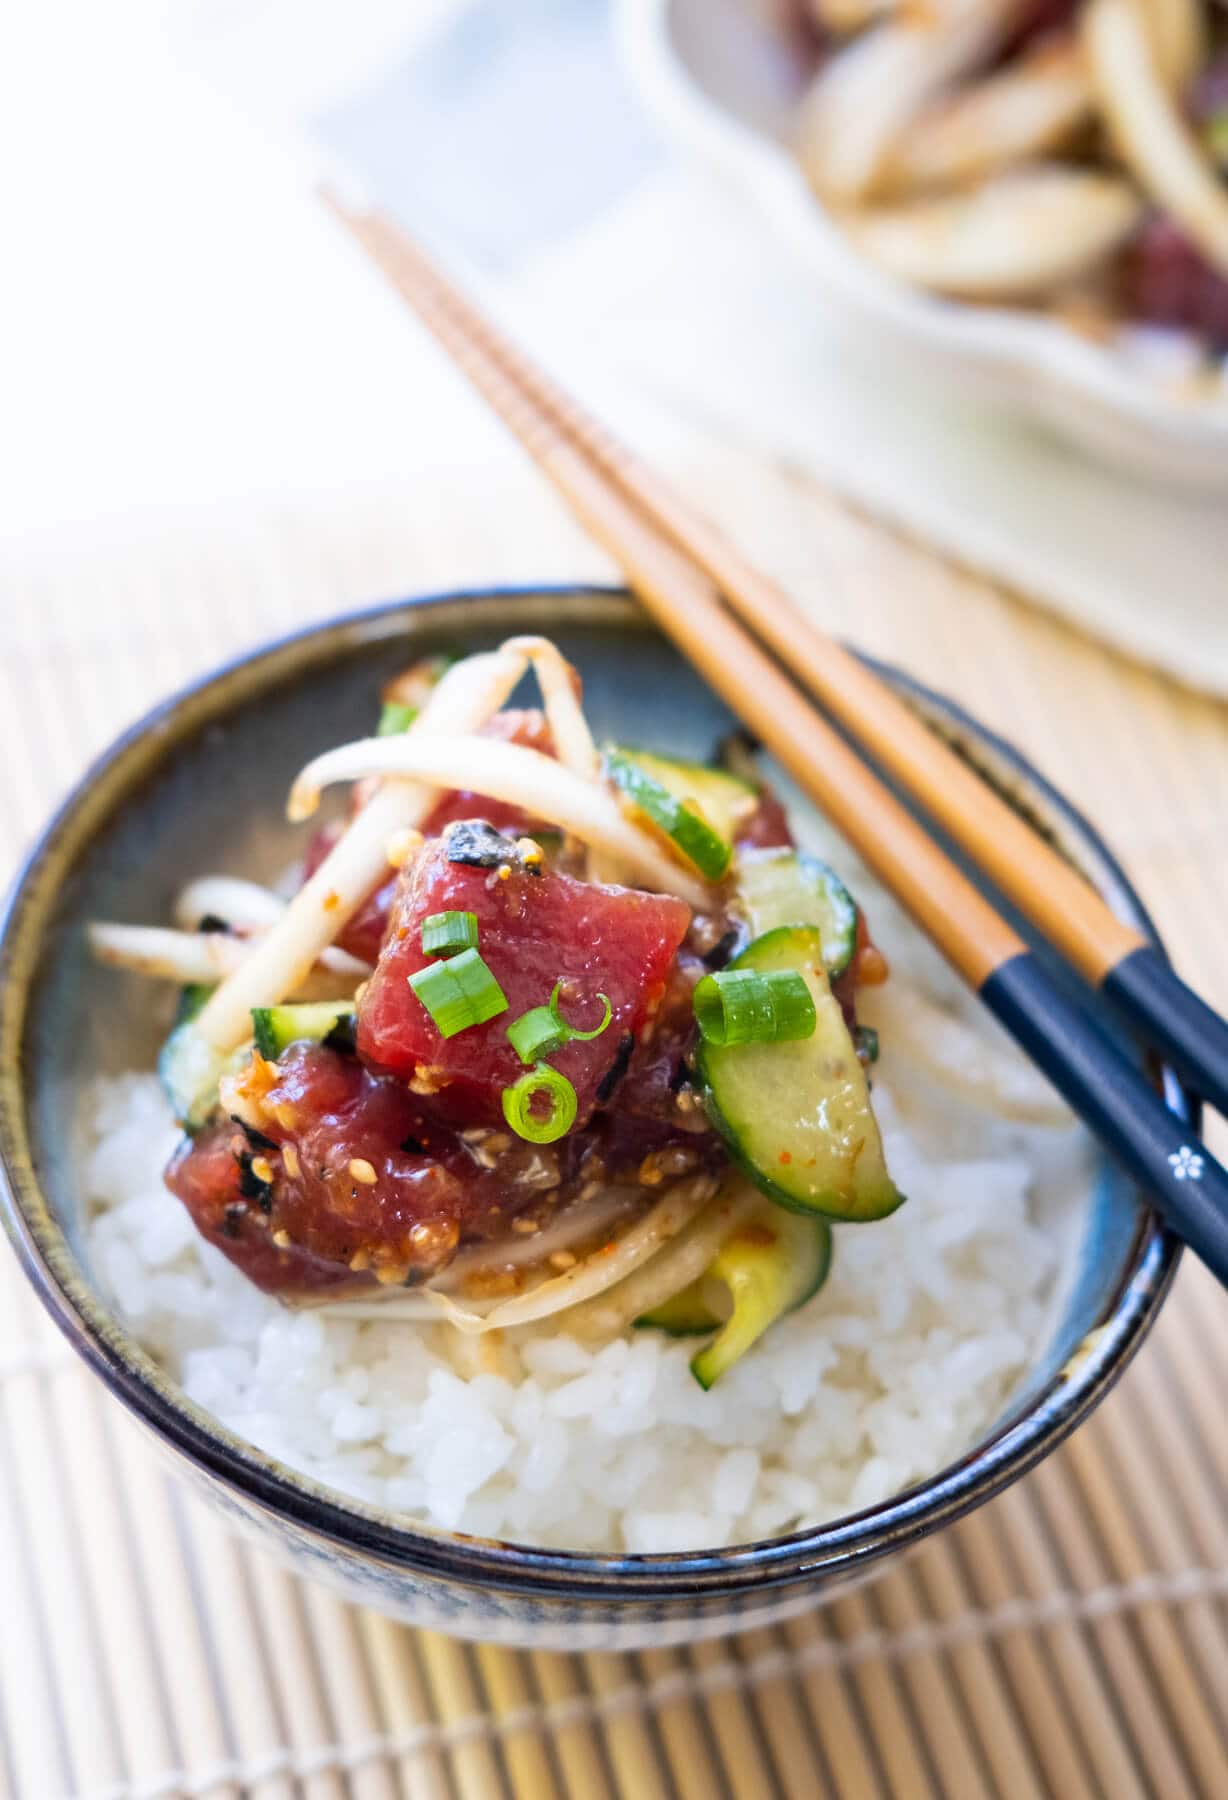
column 692, row 581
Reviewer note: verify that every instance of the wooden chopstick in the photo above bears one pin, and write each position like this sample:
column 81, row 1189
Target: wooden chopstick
column 1130, row 970
column 1100, row 1083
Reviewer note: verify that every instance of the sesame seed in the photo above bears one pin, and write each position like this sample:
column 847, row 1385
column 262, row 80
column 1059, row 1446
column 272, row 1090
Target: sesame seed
column 562, row 1259
column 363, row 1171
column 289, row 1156
column 282, row 1239
column 401, row 845
column 262, row 1168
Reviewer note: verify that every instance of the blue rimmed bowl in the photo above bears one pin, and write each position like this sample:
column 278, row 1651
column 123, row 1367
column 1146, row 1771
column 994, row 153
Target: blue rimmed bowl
column 211, row 767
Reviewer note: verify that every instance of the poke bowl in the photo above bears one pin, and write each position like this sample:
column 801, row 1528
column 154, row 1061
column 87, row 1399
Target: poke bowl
column 1118, row 350
column 617, row 1226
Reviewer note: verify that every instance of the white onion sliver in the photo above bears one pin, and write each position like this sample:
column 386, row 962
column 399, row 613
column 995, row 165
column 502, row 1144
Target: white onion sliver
column 671, row 1269
column 1147, row 124
column 672, row 1213
column 576, row 1223
column 513, row 774
column 241, row 903
column 1024, row 110
column 569, row 732
column 211, row 956
column 866, row 97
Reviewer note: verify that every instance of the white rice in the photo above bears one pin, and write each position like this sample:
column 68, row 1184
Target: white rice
column 897, row 1366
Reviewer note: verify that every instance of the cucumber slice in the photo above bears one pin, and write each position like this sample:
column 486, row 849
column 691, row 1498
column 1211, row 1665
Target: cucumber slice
column 726, row 801
column 770, row 1264
column 190, row 1069
column 789, row 887
column 277, row 1027
column 797, row 1115
column 695, row 807
column 684, row 1314
column 395, row 717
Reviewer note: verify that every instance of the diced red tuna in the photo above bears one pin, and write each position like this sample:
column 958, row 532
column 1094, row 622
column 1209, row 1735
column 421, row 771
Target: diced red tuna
column 350, row 1178
column 533, row 931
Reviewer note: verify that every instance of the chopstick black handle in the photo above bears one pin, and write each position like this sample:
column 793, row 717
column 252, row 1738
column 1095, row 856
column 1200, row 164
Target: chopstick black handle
column 1174, row 1019
column 1111, row 1094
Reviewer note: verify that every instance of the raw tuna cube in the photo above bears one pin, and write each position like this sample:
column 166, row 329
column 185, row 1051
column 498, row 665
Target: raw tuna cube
column 534, row 930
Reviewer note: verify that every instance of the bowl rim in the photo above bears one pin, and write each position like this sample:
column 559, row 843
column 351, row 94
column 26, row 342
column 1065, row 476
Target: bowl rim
column 97, row 1334
column 998, row 339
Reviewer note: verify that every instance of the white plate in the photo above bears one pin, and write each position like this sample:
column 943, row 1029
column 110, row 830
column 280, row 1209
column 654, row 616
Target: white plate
column 725, row 80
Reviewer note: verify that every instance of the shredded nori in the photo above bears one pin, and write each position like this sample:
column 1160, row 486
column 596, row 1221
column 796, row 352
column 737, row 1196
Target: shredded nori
column 250, row 1185
column 479, row 846
column 682, row 1076
column 213, row 922
column 617, row 1069
column 255, row 1138
column 341, row 1037
column 721, row 951
column 412, row 1147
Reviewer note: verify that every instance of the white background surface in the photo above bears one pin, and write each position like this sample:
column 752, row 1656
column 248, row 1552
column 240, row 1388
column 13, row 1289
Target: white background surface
column 181, row 326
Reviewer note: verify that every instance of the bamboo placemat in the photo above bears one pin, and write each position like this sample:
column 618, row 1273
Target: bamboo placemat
column 1070, row 1639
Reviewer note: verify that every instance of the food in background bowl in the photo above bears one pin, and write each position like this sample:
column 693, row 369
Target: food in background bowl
column 533, row 1183
column 1063, row 153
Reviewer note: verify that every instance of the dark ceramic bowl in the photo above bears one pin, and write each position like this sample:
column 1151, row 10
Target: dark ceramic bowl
column 194, row 775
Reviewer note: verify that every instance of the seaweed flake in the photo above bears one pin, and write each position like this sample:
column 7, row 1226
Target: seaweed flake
column 617, row 1069
column 682, row 1076
column 255, row 1138
column 341, row 1037
column 250, row 1185
column 723, row 949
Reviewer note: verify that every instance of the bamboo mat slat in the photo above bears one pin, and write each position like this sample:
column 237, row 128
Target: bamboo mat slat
column 1069, row 1640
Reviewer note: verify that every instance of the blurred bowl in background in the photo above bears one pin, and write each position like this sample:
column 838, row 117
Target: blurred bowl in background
column 726, row 76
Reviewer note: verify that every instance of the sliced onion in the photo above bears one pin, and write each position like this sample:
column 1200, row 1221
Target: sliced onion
column 1178, row 34
column 672, row 1269
column 1013, row 237
column 467, row 695
column 240, row 903
column 866, row 97
column 569, row 732
column 1030, row 107
column 211, row 956
column 582, row 1222
column 511, row 773
column 598, row 1271
column 846, row 16
column 1147, row 124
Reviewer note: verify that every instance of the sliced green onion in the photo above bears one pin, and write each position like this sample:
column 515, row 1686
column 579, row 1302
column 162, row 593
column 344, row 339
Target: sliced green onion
column 518, row 1105
column 573, row 1033
column 747, row 1006
column 865, row 1042
column 458, row 993
column 544, row 1030
column 447, row 933
column 395, row 717
column 536, row 1034
column 686, row 828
